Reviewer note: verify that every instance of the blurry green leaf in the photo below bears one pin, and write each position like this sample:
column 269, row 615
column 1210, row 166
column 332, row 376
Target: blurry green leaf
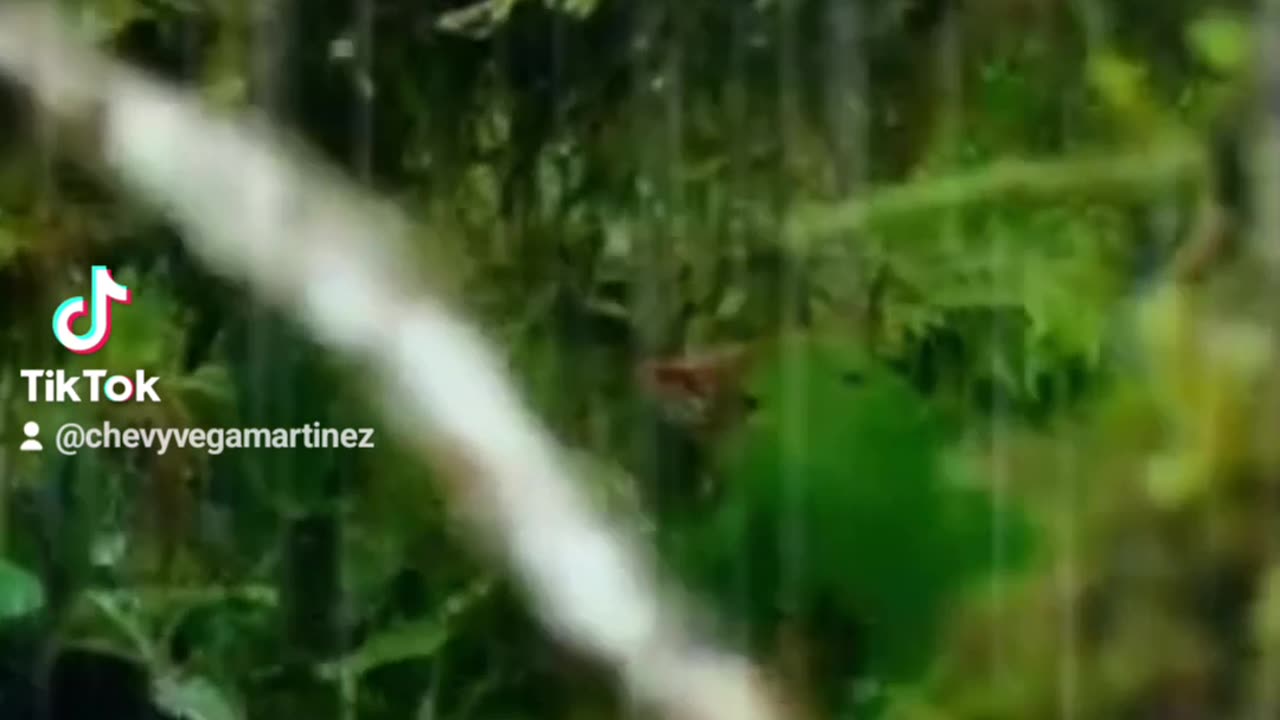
column 842, row 460
column 104, row 18
column 20, row 592
column 483, row 18
column 194, row 698
column 574, row 8
column 479, row 19
column 412, row 640
column 1266, row 611
column 1121, row 84
column 9, row 243
column 1223, row 42
column 121, row 624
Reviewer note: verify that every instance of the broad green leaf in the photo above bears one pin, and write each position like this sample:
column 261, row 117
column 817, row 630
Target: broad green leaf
column 1124, row 86
column 1221, row 41
column 412, row 640
column 194, row 698
column 20, row 592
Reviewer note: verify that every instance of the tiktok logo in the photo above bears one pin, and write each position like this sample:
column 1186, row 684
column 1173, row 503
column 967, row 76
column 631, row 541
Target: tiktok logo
column 103, row 292
column 59, row 386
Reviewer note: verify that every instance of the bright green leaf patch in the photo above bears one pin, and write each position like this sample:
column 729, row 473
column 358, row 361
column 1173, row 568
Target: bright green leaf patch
column 1223, row 42
column 21, row 593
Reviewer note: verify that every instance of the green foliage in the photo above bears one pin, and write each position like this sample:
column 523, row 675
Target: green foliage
column 1222, row 41
column 20, row 592
column 942, row 209
column 194, row 699
column 839, row 461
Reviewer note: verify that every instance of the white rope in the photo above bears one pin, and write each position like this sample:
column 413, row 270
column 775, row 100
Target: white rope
column 307, row 241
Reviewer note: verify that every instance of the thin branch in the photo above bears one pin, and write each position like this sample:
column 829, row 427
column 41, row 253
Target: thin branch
column 1125, row 175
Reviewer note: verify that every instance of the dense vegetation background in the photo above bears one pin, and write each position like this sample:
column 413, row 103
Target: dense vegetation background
column 953, row 482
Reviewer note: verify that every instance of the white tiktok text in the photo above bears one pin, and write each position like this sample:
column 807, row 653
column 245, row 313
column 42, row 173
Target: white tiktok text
column 59, row 386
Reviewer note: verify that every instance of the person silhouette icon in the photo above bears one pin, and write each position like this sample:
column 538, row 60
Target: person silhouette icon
column 31, row 444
